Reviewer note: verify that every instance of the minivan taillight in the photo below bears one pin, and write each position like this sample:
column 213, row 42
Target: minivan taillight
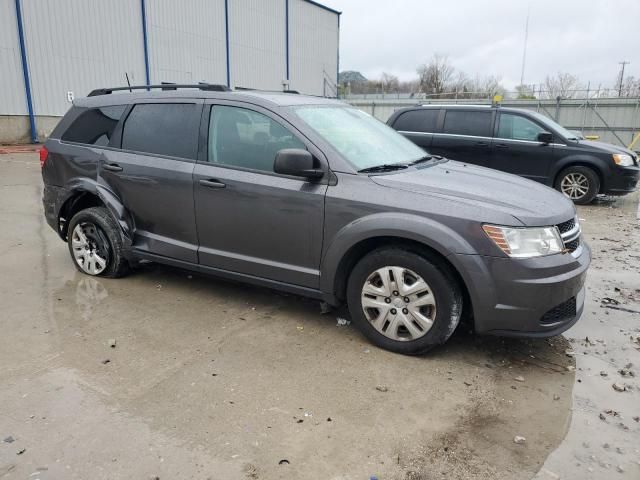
column 44, row 154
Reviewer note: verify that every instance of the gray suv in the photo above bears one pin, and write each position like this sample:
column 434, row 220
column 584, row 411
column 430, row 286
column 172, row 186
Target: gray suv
column 314, row 197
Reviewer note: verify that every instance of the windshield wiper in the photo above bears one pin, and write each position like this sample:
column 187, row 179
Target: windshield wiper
column 426, row 158
column 384, row 167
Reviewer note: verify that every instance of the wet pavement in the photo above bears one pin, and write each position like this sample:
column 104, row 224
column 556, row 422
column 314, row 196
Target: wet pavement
column 211, row 379
column 604, row 438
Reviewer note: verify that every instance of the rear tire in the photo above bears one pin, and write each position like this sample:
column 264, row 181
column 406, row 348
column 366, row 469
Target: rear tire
column 95, row 244
column 579, row 184
column 415, row 309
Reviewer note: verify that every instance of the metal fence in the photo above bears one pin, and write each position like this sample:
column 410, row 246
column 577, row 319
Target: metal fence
column 612, row 120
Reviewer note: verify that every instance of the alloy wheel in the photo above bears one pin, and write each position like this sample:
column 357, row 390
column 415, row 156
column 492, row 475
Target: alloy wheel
column 575, row 185
column 90, row 248
column 398, row 303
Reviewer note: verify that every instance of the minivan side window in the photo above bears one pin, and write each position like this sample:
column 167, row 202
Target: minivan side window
column 417, row 120
column 468, row 122
column 244, row 138
column 163, row 129
column 516, row 127
column 94, row 126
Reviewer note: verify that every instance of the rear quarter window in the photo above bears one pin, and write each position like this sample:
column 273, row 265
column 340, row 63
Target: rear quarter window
column 162, row 128
column 94, row 126
column 417, row 120
column 468, row 122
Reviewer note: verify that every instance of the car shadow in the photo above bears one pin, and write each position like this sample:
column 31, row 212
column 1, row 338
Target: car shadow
column 547, row 353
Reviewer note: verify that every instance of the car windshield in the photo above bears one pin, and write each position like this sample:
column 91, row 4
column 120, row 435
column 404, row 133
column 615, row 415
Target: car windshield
column 364, row 141
column 568, row 134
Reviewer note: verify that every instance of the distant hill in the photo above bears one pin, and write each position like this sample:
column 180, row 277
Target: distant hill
column 351, row 76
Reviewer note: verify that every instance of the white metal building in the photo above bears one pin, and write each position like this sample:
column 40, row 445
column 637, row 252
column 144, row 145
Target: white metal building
column 52, row 51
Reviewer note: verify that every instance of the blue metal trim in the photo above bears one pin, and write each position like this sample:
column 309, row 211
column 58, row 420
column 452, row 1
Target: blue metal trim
column 286, row 29
column 25, row 73
column 226, row 28
column 145, row 41
column 324, row 7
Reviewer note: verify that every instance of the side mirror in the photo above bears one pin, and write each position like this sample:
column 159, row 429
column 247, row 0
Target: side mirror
column 296, row 162
column 545, row 137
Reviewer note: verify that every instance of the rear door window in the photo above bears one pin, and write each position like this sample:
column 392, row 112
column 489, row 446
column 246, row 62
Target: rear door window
column 468, row 122
column 418, row 121
column 515, row 127
column 94, row 126
column 169, row 129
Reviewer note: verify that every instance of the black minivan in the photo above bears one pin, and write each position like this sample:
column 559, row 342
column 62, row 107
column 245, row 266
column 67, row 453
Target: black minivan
column 521, row 142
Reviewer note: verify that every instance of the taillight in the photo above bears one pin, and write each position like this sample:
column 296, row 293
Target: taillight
column 44, row 154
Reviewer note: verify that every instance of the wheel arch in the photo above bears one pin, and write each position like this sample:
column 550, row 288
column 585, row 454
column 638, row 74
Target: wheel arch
column 84, row 194
column 418, row 234
column 364, row 247
column 594, row 164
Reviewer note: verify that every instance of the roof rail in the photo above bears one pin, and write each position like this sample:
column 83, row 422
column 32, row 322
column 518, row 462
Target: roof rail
column 251, row 89
column 210, row 87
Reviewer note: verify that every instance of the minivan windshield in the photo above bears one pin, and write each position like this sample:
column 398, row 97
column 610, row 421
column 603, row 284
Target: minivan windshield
column 364, row 141
column 567, row 134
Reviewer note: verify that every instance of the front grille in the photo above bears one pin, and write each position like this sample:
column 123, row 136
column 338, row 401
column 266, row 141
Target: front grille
column 564, row 311
column 570, row 232
column 573, row 245
column 567, row 226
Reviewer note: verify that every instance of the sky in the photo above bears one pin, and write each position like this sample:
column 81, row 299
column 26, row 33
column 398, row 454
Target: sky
column 586, row 38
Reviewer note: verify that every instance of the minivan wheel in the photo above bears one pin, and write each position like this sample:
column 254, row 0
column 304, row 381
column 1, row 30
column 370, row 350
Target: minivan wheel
column 402, row 301
column 95, row 244
column 580, row 184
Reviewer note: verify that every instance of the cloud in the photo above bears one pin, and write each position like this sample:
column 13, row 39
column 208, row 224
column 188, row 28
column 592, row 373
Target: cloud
column 486, row 37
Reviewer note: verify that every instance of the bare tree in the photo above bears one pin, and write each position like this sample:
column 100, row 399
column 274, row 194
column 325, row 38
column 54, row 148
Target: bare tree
column 563, row 85
column 390, row 83
column 630, row 86
column 436, row 75
column 526, row 91
column 485, row 86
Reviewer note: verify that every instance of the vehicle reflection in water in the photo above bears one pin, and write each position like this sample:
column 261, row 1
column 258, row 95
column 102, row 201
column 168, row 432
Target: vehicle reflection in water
column 90, row 292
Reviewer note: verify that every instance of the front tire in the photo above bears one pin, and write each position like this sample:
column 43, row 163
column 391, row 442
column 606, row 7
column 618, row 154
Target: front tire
column 95, row 244
column 403, row 301
column 580, row 184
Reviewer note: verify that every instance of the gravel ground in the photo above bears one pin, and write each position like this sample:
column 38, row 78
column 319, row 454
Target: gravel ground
column 210, row 379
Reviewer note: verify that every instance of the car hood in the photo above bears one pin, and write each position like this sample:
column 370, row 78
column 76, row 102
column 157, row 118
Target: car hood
column 607, row 147
column 530, row 202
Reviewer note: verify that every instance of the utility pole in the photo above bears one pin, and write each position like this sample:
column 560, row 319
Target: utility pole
column 524, row 52
column 623, row 63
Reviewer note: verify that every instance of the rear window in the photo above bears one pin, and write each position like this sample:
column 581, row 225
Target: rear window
column 94, row 126
column 163, row 129
column 417, row 121
column 468, row 122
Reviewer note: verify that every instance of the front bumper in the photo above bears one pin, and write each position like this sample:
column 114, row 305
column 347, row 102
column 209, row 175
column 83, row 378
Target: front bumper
column 624, row 180
column 535, row 297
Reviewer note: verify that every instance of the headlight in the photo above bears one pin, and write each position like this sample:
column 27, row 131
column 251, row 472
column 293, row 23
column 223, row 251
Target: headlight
column 623, row 160
column 525, row 242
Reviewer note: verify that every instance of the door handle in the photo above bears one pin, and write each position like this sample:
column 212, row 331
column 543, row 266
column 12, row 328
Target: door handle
column 112, row 167
column 482, row 144
column 501, row 145
column 212, row 183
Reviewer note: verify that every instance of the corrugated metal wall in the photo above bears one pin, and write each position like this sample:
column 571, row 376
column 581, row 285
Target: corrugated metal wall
column 12, row 98
column 187, row 41
column 257, row 43
column 313, row 47
column 77, row 45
